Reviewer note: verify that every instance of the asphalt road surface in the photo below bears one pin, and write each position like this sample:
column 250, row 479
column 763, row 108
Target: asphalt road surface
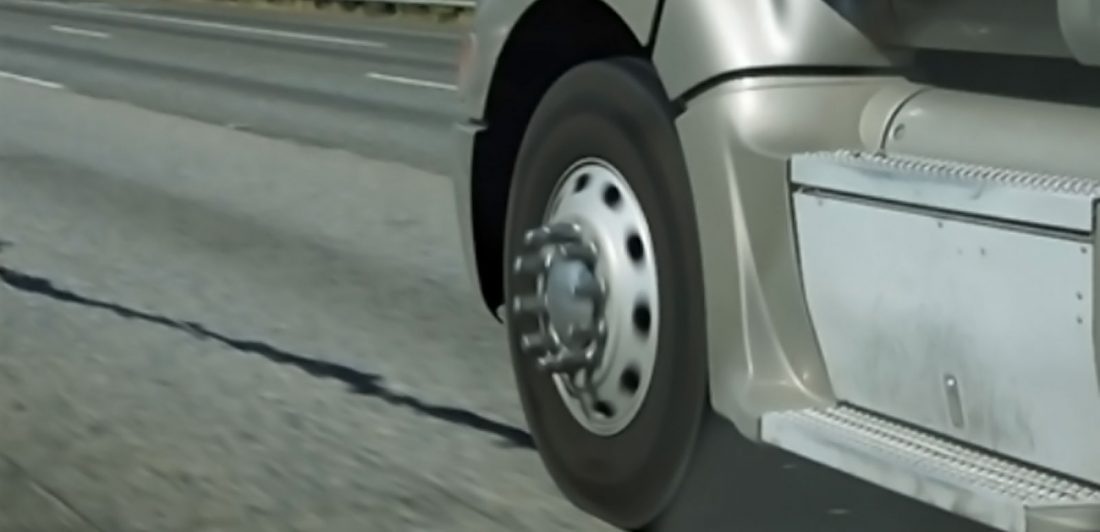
column 232, row 296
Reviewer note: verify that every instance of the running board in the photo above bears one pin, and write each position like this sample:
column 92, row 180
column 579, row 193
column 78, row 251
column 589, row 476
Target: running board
column 963, row 480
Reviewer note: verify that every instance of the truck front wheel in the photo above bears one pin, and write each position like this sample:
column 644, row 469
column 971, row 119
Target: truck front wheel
column 605, row 294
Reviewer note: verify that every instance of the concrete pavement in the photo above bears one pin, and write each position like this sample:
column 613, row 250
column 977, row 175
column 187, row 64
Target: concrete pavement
column 355, row 89
column 232, row 296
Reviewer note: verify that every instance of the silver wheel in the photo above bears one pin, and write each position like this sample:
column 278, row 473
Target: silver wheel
column 596, row 296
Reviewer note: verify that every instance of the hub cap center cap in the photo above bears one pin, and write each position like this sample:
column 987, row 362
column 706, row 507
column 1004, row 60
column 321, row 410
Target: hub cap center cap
column 568, row 312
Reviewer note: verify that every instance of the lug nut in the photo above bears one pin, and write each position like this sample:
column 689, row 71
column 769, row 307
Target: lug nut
column 539, row 342
column 561, row 232
column 529, row 305
column 537, row 237
column 580, row 336
column 531, row 264
column 566, row 363
column 552, row 234
column 584, row 252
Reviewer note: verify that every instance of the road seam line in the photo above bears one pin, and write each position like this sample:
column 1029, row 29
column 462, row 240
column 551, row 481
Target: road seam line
column 81, row 32
column 412, row 81
column 216, row 25
column 30, row 81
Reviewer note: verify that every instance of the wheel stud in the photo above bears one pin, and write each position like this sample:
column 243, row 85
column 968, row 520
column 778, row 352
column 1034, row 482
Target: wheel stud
column 584, row 252
column 566, row 363
column 531, row 264
column 529, row 305
column 537, row 237
column 580, row 336
column 537, row 342
column 563, row 232
column 552, row 234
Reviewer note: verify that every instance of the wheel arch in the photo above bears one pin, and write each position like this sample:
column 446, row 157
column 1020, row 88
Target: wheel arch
column 547, row 39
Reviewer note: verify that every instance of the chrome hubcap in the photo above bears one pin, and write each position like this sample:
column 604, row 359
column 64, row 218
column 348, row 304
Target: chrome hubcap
column 595, row 298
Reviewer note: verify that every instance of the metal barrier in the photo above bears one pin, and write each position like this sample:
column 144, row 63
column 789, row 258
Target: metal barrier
column 465, row 4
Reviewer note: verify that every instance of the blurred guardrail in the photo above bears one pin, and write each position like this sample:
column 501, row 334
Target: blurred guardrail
column 466, row 4
column 456, row 5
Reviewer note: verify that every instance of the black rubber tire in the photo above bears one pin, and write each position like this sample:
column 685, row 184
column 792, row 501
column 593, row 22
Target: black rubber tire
column 617, row 110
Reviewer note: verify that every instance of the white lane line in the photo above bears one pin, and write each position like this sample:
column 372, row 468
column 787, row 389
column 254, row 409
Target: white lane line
column 31, row 81
column 253, row 30
column 83, row 33
column 412, row 81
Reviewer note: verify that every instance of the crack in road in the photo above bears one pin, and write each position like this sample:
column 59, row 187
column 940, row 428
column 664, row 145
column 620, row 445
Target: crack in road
column 358, row 382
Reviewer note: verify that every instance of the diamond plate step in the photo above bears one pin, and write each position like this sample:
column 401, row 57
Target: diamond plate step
column 1000, row 493
column 1012, row 195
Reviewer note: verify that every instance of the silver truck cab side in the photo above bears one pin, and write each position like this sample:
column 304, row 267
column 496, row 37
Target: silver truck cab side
column 861, row 232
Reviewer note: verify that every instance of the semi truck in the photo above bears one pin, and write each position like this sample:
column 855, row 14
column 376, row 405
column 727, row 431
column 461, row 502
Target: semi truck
column 859, row 232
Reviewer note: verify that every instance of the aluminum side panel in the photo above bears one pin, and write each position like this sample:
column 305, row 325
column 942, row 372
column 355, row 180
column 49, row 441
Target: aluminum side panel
column 1025, row 197
column 975, row 331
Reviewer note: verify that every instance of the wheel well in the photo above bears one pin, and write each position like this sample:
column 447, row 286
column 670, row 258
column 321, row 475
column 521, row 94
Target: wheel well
column 549, row 39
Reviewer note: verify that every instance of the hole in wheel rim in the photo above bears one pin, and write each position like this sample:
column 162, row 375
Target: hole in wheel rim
column 612, row 197
column 631, row 379
column 634, row 248
column 643, row 318
column 582, row 182
column 604, row 409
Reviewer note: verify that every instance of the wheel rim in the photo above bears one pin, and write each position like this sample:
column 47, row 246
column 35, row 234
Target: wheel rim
column 595, row 299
